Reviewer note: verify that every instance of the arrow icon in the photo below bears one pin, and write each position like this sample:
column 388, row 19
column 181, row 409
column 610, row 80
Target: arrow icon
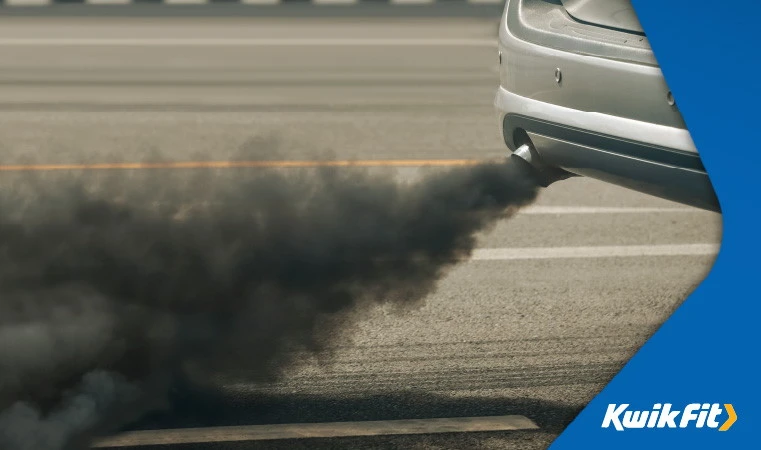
column 732, row 417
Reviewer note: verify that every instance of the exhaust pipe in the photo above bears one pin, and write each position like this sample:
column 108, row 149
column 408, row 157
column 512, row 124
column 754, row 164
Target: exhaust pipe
column 527, row 156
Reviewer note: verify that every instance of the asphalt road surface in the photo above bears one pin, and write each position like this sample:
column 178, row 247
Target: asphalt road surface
column 533, row 327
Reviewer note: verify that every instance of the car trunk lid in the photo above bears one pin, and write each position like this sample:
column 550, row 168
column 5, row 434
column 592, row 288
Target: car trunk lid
column 618, row 14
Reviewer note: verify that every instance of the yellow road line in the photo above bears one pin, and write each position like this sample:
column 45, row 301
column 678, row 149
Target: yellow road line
column 241, row 164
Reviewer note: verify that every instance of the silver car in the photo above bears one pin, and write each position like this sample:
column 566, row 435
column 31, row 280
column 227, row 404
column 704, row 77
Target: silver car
column 582, row 94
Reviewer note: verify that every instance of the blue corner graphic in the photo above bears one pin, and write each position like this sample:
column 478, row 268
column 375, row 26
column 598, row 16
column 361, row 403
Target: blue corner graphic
column 705, row 357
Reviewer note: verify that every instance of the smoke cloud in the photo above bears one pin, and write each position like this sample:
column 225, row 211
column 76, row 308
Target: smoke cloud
column 107, row 300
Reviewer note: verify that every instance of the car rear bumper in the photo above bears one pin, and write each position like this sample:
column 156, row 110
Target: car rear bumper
column 646, row 157
column 674, row 138
column 602, row 111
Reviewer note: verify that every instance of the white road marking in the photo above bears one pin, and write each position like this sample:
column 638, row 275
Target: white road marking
column 260, row 2
column 612, row 251
column 335, row 2
column 606, row 210
column 28, row 2
column 317, row 430
column 245, row 42
column 108, row 2
column 411, row 2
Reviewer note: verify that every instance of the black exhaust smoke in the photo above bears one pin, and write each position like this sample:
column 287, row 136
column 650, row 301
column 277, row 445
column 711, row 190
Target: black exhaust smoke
column 105, row 302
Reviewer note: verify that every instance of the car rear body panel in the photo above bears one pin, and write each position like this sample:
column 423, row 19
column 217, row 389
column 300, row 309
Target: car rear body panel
column 558, row 74
column 617, row 14
column 548, row 23
column 600, row 70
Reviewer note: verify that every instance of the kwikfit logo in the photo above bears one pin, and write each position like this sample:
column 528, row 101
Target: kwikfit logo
column 694, row 415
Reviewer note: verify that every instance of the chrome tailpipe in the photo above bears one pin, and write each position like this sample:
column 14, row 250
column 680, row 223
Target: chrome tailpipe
column 527, row 156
